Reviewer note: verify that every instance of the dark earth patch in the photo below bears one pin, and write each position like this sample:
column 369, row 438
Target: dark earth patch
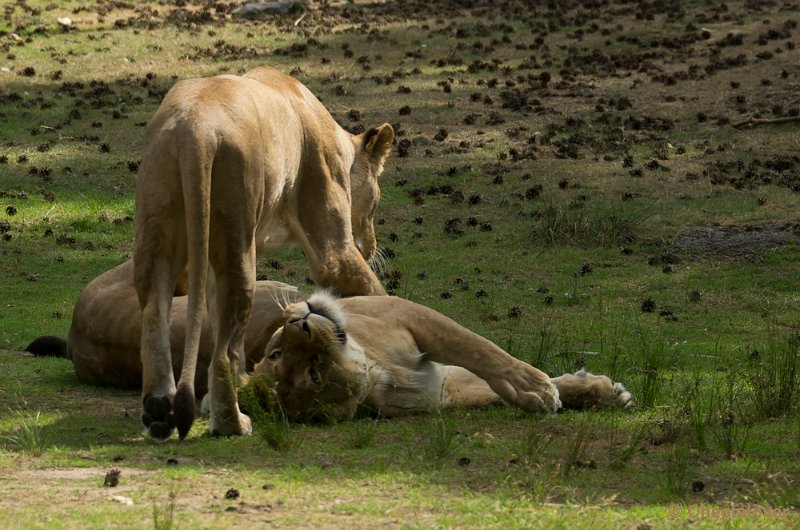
column 734, row 241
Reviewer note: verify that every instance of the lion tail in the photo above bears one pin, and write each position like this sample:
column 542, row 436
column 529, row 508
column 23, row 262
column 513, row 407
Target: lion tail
column 196, row 161
column 48, row 346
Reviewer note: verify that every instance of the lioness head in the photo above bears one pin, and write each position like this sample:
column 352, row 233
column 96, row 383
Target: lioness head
column 319, row 374
column 372, row 148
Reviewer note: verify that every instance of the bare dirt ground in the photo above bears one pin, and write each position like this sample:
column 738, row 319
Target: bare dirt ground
column 734, row 241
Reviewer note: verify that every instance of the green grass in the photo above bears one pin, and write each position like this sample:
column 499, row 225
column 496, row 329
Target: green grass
column 552, row 258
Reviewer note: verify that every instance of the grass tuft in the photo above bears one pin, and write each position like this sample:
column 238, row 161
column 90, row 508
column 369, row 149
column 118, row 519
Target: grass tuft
column 260, row 401
column 164, row 515
column 576, row 446
column 362, row 433
column 437, row 436
column 733, row 420
column 774, row 378
column 677, row 470
column 574, row 224
column 653, row 358
column 31, row 436
column 534, row 441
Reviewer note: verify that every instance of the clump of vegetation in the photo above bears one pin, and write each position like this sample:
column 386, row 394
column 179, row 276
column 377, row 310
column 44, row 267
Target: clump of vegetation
column 259, row 400
column 164, row 515
column 774, row 378
column 31, row 435
column 559, row 224
column 435, row 437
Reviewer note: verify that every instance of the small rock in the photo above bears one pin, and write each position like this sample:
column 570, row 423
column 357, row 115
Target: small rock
column 263, row 9
column 125, row 501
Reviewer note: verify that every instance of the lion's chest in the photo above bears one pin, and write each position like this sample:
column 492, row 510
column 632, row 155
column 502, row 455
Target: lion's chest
column 401, row 380
column 271, row 234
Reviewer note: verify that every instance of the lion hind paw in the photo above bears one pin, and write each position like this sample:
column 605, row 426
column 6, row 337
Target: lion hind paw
column 624, row 398
column 587, row 390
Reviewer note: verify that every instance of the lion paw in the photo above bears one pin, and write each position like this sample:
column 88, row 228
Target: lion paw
column 158, row 417
column 624, row 398
column 543, row 401
column 205, row 405
column 586, row 390
column 234, row 427
column 528, row 388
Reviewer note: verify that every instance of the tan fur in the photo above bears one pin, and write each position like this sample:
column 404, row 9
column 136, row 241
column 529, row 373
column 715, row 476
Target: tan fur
column 401, row 357
column 379, row 368
column 103, row 340
column 234, row 166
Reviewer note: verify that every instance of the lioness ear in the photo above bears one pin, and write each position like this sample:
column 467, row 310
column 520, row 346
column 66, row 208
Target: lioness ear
column 378, row 144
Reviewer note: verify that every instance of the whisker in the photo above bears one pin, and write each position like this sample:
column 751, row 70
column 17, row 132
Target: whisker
column 284, row 300
column 378, row 261
column 274, row 296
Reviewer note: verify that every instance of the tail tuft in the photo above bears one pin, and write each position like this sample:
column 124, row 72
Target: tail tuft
column 48, row 346
column 184, row 407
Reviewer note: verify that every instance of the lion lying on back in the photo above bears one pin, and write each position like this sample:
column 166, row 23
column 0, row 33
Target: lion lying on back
column 327, row 357
column 391, row 356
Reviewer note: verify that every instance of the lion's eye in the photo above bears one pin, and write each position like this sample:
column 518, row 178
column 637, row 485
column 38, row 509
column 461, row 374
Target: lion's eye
column 314, row 375
column 275, row 354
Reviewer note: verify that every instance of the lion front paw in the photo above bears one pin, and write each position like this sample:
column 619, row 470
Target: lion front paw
column 542, row 401
column 528, row 388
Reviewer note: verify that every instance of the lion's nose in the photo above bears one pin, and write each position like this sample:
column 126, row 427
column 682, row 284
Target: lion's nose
column 301, row 323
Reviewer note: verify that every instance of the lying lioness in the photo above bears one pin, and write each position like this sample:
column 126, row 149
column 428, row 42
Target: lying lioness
column 328, row 356
column 392, row 356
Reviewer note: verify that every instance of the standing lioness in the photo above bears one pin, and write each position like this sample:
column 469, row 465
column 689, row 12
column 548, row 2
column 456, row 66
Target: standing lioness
column 234, row 166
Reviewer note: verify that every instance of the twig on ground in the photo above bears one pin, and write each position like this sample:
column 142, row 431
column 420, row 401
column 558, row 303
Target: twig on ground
column 752, row 122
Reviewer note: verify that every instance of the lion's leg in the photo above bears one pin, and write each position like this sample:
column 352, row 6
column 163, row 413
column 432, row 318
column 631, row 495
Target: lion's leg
column 462, row 388
column 447, row 342
column 235, row 286
column 326, row 235
column 160, row 254
column 347, row 274
column 585, row 390
column 154, row 284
